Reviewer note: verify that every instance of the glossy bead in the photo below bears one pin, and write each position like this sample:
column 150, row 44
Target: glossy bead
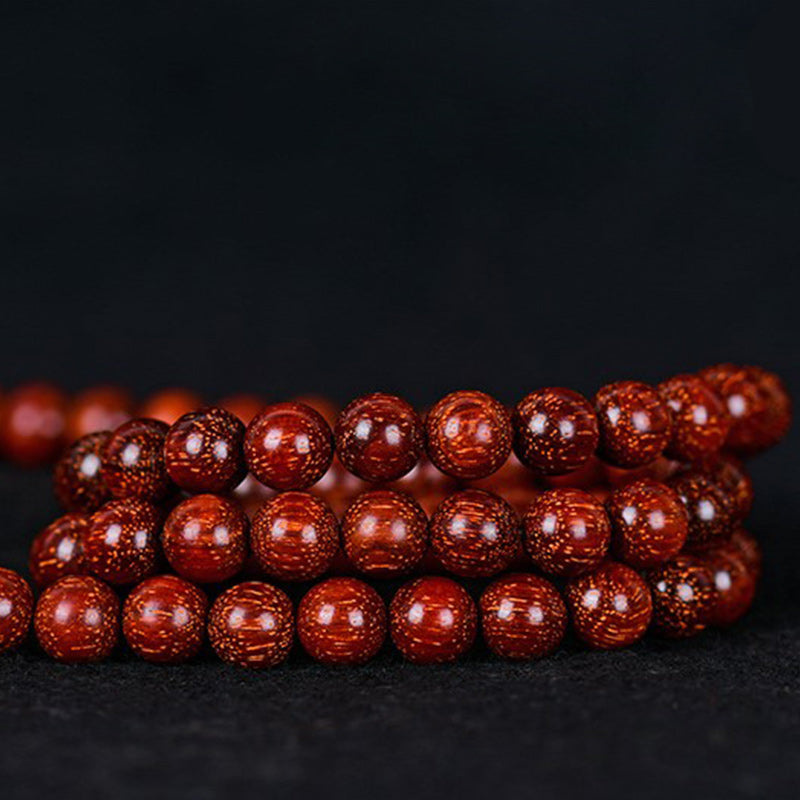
column 169, row 405
column 327, row 409
column 758, row 403
column 735, row 584
column 288, row 446
column 243, row 406
column 555, row 431
column 121, row 543
column 77, row 620
column 32, row 424
column 522, row 616
column 475, row 533
column 700, row 421
column 252, row 625
column 16, row 609
column 385, row 533
column 58, row 550
column 432, row 620
column 468, row 435
column 379, row 437
column 610, row 607
column 133, row 461
column 205, row 538
column 101, row 408
column 203, row 451
column 634, row 423
column 710, row 508
column 295, row 536
column 683, row 596
column 649, row 523
column 731, row 476
column 567, row 531
column 78, row 478
column 164, row 619
column 341, row 621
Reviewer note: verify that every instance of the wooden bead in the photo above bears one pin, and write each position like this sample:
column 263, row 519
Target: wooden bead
column 634, row 423
column 78, row 477
column 567, row 532
column 731, row 476
column 341, row 621
column 32, row 421
column 100, row 408
column 164, row 619
column 121, row 544
column 710, row 508
column 610, row 607
column 252, row 625
column 203, row 451
column 77, row 620
column 16, row 609
column 758, row 403
column 205, row 538
column 555, row 431
column 468, row 435
column 288, row 446
column 243, row 406
column 58, row 550
column 385, row 533
column 325, row 407
column 432, row 620
column 522, row 616
column 735, row 584
column 683, row 596
column 379, row 437
column 747, row 548
column 168, row 405
column 475, row 533
column 133, row 461
column 295, row 536
column 649, row 523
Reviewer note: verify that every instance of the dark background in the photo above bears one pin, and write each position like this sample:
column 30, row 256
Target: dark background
column 414, row 197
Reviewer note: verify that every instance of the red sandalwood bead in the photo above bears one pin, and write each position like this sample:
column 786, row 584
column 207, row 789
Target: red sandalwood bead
column 168, row 405
column 58, row 550
column 78, row 477
column 327, row 409
column 683, row 596
column 730, row 475
column 341, row 621
column 710, row 508
column 243, row 406
column 101, row 408
column 16, row 609
column 32, row 421
column 735, row 584
column 747, row 548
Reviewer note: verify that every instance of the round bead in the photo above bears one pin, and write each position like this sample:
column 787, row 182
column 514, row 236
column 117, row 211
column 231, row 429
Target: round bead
column 610, row 607
column 735, row 584
column 77, row 620
column 746, row 547
column 634, row 423
column 710, row 508
column 683, row 596
column 295, row 536
column 133, row 461
column 649, row 523
column 567, row 531
column 78, row 479
column 700, row 421
column 432, row 620
column 242, row 406
column 252, row 625
column 288, row 446
column 326, row 408
column 203, row 451
column 32, row 421
column 384, row 533
column 101, row 408
column 522, row 616
column 379, row 437
column 58, row 550
column 169, row 405
column 164, row 620
column 468, row 435
column 758, row 403
column 16, row 609
column 341, row 621
column 555, row 431
column 475, row 533
column 121, row 543
column 205, row 538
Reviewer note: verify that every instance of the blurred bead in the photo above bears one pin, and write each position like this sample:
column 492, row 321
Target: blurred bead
column 734, row 581
column 567, row 532
column 205, row 539
column 683, row 596
column 385, row 533
column 101, row 408
column 168, row 405
column 731, row 476
column 710, row 508
column 295, row 536
column 243, row 406
column 522, row 616
column 555, row 431
column 610, row 607
column 77, row 620
column 649, row 523
column 341, row 621
column 78, row 480
column 379, row 437
column 16, row 609
column 634, row 423
column 32, row 420
column 288, row 446
column 252, row 625
column 432, row 620
column 164, row 620
column 474, row 533
column 203, row 451
column 468, row 434
column 58, row 550
column 747, row 548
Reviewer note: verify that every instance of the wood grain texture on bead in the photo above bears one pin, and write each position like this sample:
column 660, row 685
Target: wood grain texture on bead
column 133, row 461
column 78, row 480
column 16, row 609
column 683, row 596
column 57, row 550
column 711, row 509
